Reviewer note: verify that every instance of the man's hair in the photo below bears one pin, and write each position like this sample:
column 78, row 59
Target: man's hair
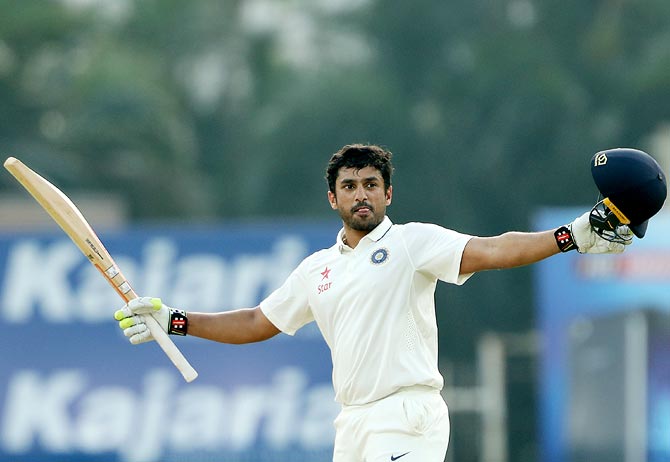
column 358, row 156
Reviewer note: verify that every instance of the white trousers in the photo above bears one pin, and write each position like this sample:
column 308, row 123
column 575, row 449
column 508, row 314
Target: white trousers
column 411, row 425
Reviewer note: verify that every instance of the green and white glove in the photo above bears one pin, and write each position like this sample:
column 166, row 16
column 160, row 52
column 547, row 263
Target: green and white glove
column 130, row 318
column 588, row 241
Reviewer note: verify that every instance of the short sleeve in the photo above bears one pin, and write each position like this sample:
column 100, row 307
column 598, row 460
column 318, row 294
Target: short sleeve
column 288, row 306
column 437, row 251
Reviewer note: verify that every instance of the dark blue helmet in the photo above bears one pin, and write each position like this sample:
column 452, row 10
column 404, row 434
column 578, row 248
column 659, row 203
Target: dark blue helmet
column 633, row 186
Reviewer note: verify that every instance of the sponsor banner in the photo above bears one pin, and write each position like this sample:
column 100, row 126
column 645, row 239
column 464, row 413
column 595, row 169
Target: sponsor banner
column 605, row 324
column 73, row 388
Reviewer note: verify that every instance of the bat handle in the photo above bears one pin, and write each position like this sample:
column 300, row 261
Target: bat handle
column 162, row 338
column 170, row 349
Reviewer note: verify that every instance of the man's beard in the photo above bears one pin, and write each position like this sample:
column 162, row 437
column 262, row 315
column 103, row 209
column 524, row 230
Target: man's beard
column 352, row 221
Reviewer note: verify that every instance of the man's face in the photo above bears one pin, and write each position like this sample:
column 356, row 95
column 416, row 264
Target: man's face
column 360, row 198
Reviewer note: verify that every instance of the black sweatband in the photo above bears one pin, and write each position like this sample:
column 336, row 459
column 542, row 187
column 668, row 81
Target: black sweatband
column 564, row 239
column 178, row 324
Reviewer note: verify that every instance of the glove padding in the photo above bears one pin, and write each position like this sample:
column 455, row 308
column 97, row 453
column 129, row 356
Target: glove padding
column 131, row 320
column 588, row 241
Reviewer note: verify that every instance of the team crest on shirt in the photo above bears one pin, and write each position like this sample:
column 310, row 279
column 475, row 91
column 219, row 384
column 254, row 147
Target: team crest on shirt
column 379, row 256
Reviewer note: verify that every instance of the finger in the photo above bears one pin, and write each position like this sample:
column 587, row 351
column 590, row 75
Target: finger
column 141, row 305
column 124, row 312
column 134, row 330
column 628, row 237
column 131, row 321
column 141, row 337
column 616, row 247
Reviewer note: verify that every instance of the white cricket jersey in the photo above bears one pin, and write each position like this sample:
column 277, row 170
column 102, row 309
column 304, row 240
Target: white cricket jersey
column 375, row 306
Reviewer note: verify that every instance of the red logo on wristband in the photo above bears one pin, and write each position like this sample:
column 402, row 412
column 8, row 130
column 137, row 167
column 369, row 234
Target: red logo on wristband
column 563, row 237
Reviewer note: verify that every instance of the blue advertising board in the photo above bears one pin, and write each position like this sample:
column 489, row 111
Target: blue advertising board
column 72, row 387
column 605, row 329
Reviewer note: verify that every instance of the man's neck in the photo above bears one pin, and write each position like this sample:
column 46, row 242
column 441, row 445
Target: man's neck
column 352, row 237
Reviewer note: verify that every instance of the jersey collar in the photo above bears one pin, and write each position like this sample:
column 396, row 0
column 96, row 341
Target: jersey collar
column 374, row 235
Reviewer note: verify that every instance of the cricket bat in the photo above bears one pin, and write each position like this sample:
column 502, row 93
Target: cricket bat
column 70, row 219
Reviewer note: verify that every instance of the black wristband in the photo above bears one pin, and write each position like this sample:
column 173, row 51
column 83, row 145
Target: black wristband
column 178, row 324
column 564, row 239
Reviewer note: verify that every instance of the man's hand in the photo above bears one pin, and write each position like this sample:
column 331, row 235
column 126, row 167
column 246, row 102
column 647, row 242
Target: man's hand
column 133, row 325
column 588, row 241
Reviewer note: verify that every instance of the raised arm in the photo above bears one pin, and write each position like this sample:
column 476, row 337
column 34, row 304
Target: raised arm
column 246, row 325
column 514, row 249
column 507, row 251
column 240, row 326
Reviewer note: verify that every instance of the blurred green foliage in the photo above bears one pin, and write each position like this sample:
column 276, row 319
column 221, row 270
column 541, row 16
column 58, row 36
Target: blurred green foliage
column 205, row 110
column 208, row 110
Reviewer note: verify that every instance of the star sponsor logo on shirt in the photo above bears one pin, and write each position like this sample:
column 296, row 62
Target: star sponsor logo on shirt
column 325, row 274
column 379, row 256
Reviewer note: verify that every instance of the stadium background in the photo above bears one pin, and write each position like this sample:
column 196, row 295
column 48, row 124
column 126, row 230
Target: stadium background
column 173, row 120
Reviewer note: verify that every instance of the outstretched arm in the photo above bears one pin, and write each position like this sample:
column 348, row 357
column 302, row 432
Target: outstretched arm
column 507, row 251
column 240, row 326
column 514, row 249
column 246, row 325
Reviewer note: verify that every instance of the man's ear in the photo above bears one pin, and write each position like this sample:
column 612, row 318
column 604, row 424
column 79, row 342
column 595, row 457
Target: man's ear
column 332, row 198
column 389, row 195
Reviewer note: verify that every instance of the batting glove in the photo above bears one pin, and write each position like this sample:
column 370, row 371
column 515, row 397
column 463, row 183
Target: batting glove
column 588, row 241
column 131, row 320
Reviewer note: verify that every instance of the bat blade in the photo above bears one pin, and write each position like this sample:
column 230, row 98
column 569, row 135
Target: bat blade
column 66, row 214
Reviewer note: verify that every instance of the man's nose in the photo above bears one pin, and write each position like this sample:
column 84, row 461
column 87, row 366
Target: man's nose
column 361, row 194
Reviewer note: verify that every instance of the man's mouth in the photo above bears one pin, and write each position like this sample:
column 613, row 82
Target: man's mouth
column 362, row 209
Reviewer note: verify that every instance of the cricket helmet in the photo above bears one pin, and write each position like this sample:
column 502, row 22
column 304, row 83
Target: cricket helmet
column 633, row 189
